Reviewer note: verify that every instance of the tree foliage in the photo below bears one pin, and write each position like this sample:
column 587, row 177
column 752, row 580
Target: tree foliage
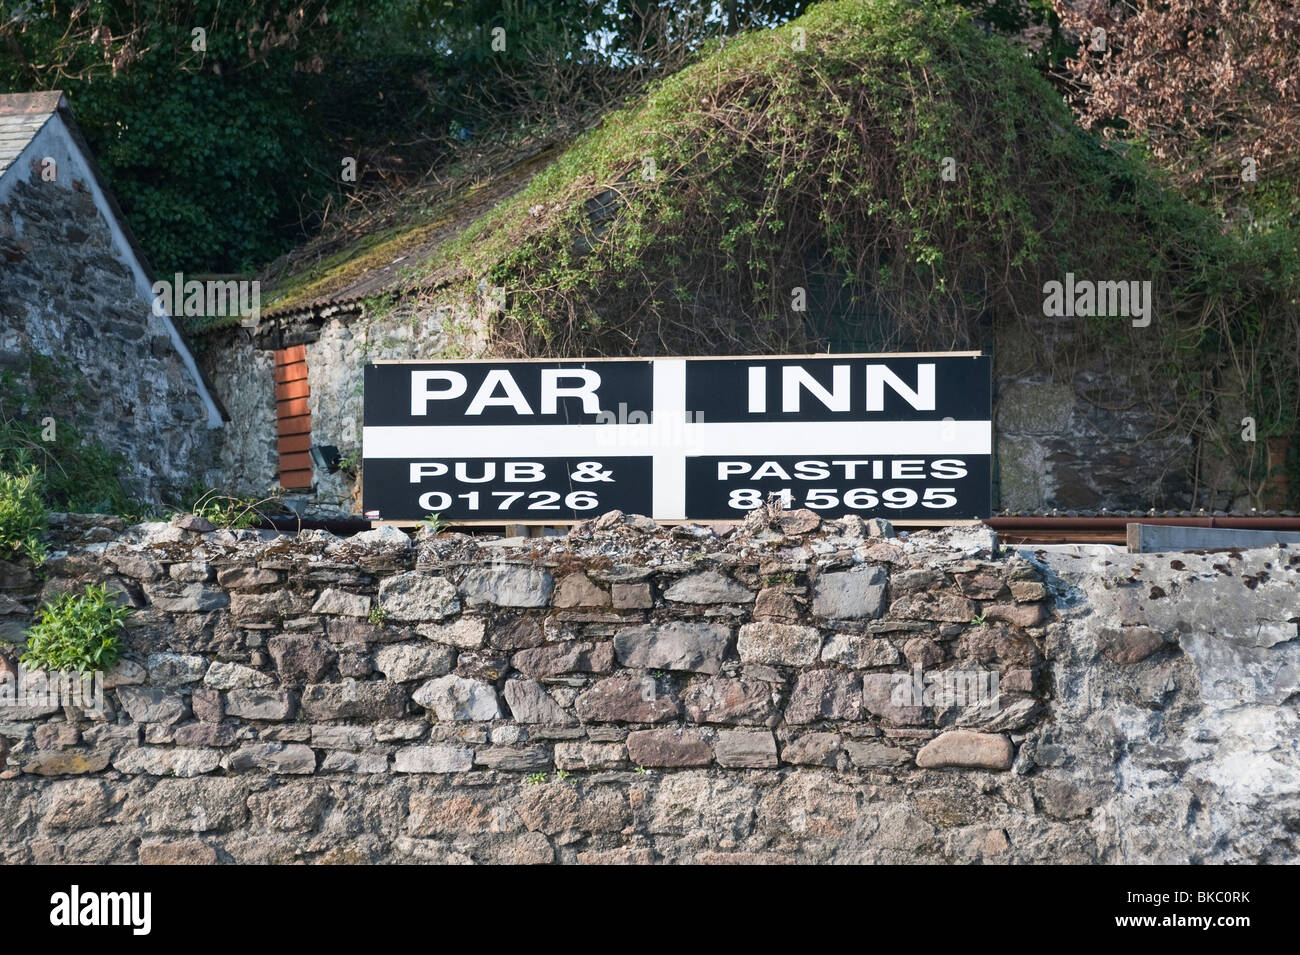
column 1210, row 87
column 226, row 146
column 202, row 113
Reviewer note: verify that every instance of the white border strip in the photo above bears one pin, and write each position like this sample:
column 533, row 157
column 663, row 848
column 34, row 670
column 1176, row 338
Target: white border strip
column 668, row 486
column 767, row 439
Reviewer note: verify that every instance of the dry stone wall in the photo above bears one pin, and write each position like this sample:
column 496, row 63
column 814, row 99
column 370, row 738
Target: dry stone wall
column 779, row 692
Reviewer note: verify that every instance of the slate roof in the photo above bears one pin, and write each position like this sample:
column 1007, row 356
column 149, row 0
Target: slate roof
column 21, row 117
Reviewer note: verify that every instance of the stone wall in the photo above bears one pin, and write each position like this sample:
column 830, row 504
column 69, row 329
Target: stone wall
column 1086, row 438
column 636, row 694
column 244, row 380
column 71, row 289
column 338, row 348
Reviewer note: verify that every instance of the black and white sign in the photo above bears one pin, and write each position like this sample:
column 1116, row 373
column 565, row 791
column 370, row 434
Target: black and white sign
column 895, row 436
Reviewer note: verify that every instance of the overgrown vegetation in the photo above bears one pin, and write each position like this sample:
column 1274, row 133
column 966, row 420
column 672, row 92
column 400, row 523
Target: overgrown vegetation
column 227, row 147
column 23, row 515
column 204, row 135
column 804, row 166
column 77, row 632
column 231, row 511
column 76, row 473
column 1206, row 87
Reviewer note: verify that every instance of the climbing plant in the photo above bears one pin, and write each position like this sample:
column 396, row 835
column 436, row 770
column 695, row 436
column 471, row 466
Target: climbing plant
column 912, row 181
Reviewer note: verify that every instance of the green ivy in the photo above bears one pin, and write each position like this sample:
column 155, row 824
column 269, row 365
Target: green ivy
column 218, row 155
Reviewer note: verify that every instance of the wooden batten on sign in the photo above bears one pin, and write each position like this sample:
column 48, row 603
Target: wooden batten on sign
column 293, row 417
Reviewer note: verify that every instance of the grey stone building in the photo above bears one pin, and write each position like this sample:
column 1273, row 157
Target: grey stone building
column 75, row 287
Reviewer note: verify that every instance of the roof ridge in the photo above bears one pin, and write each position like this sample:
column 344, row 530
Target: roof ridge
column 42, row 102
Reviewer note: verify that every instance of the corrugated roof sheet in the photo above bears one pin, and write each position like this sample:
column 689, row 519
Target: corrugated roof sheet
column 21, row 117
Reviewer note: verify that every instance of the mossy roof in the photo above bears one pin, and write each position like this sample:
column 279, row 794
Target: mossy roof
column 1020, row 192
column 343, row 267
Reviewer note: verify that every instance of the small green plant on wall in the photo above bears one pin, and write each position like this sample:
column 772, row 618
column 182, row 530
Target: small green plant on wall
column 434, row 524
column 76, row 474
column 23, row 515
column 81, row 632
column 350, row 464
column 232, row 512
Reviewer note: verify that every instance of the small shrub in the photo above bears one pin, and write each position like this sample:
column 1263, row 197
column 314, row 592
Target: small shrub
column 22, row 514
column 434, row 524
column 377, row 616
column 79, row 632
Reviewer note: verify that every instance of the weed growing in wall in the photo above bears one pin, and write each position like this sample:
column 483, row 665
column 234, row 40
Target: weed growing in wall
column 23, row 515
column 231, row 511
column 80, row 632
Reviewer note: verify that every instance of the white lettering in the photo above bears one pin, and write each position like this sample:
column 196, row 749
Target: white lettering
column 489, row 472
column 513, row 397
column 793, row 378
column 421, row 471
column 62, row 906
column 551, row 391
column 850, row 467
column 524, row 472
column 922, row 399
column 771, row 469
column 421, row 394
column 811, row 470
